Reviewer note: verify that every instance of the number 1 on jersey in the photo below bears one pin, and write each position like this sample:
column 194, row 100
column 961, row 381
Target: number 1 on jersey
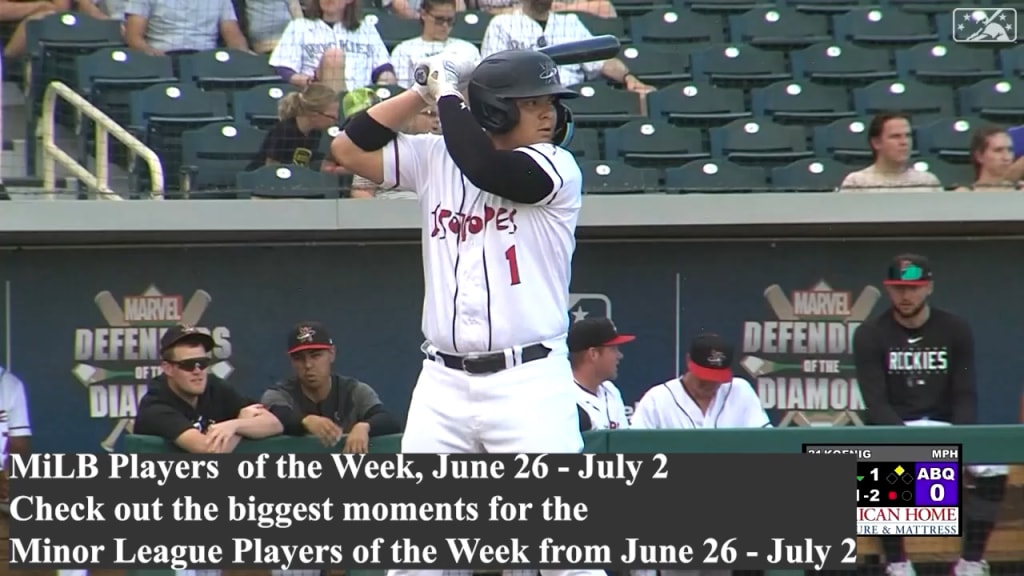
column 513, row 264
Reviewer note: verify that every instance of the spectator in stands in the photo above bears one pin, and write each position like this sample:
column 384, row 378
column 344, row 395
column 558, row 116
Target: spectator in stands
column 891, row 142
column 102, row 9
column 14, row 14
column 602, row 8
column 15, row 428
column 994, row 166
column 295, row 139
column 534, row 25
column 197, row 411
column 333, row 45
column 594, row 355
column 413, row 9
column 266, row 20
column 319, row 402
column 172, row 26
column 438, row 17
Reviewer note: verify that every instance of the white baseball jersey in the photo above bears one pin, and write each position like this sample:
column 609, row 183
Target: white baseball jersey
column 517, row 31
column 14, row 419
column 405, row 56
column 496, row 272
column 304, row 42
column 606, row 409
column 669, row 405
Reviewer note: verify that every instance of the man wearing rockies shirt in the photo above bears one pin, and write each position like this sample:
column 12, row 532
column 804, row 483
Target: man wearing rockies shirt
column 915, row 367
column 438, row 17
column 594, row 355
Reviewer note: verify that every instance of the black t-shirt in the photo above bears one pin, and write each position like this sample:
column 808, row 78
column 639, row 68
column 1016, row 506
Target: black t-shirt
column 912, row 374
column 286, row 144
column 163, row 413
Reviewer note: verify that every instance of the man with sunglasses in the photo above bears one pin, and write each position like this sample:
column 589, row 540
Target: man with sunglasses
column 193, row 409
column 915, row 367
column 438, row 18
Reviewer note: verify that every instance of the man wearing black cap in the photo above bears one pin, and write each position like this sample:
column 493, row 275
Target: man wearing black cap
column 594, row 355
column 706, row 396
column 195, row 410
column 319, row 402
column 915, row 367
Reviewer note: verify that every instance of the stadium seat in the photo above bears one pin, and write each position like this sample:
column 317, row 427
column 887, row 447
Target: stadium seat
column 810, row 175
column 826, row 6
column 951, row 175
column 794, row 102
column 842, row 63
column 585, row 144
column 161, row 113
column 777, row 27
column 942, row 7
column 947, row 63
column 947, row 138
column 670, row 26
column 920, row 101
column 258, row 105
column 720, row 6
column 653, row 144
column 212, row 155
column 393, row 29
column 633, row 7
column 994, row 100
column 882, row 26
column 286, row 182
column 599, row 26
column 106, row 77
column 759, row 142
column 656, row 65
column 387, row 91
column 601, row 105
column 226, row 70
column 697, row 104
column 844, row 140
column 743, row 66
column 471, row 26
column 708, row 176
column 57, row 39
column 1012, row 61
column 610, row 177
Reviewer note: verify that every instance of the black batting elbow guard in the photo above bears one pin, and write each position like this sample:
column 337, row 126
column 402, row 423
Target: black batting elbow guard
column 368, row 134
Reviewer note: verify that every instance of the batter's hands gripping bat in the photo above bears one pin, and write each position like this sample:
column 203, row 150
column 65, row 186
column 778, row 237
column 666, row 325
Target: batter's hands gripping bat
column 590, row 50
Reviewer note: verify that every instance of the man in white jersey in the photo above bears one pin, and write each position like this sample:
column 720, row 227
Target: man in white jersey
column 706, row 396
column 499, row 209
column 594, row 355
column 15, row 429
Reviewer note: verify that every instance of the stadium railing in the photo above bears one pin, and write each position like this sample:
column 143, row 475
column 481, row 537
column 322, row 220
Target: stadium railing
column 104, row 128
column 981, row 445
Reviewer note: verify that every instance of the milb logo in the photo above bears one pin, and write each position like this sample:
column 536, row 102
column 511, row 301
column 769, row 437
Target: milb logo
column 586, row 305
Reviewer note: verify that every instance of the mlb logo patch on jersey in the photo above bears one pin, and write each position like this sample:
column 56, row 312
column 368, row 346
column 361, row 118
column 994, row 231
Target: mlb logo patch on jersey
column 583, row 305
column 984, row 25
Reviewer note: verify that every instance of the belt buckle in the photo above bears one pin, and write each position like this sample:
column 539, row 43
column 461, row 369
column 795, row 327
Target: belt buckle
column 468, row 362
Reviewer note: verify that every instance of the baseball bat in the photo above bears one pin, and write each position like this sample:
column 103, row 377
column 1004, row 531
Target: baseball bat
column 111, row 439
column 992, row 18
column 780, row 304
column 111, row 310
column 576, row 52
column 864, row 305
column 195, row 308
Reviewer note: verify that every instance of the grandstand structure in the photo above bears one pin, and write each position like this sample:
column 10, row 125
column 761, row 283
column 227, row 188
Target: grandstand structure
column 750, row 96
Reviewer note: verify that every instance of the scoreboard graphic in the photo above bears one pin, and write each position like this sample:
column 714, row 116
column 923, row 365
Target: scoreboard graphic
column 905, row 489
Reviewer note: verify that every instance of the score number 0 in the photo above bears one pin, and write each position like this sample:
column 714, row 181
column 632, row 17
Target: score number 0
column 937, row 492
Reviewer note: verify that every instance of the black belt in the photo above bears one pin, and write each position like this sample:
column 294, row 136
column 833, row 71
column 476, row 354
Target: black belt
column 490, row 362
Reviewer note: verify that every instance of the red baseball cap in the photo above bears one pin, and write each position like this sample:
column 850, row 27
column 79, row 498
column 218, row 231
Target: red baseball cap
column 309, row 336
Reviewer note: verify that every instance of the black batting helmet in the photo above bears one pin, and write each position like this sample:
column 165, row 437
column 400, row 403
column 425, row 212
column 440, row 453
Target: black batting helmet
column 512, row 74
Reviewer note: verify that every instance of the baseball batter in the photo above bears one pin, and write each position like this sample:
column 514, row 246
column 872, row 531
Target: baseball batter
column 499, row 209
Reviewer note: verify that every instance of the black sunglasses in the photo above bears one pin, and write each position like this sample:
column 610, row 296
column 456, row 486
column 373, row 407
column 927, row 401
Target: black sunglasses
column 191, row 364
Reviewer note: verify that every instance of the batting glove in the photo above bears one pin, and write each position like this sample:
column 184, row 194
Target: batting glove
column 445, row 75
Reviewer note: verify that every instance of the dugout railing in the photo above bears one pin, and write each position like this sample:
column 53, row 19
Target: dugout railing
column 981, row 445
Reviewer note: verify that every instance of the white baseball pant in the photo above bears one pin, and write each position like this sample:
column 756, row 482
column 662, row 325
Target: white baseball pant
column 526, row 409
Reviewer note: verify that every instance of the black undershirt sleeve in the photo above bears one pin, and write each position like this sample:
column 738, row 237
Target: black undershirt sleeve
column 506, row 173
column 869, row 358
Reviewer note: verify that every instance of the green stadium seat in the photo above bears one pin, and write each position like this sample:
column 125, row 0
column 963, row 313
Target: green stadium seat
column 633, row 7
column 670, row 26
column 920, row 101
column 778, row 27
column 938, row 7
column 258, row 105
column 715, row 176
column 884, row 26
column 107, row 76
column 585, row 144
column 760, row 142
column 471, row 26
column 844, row 140
column 393, row 29
column 599, row 26
column 653, row 144
column 387, row 91
column 611, row 177
column 810, row 175
column 287, row 183
column 842, row 63
column 738, row 66
column 601, row 105
column 826, row 6
column 996, row 100
column 947, row 63
column 211, row 156
column 697, row 104
column 947, row 138
column 952, row 175
column 1012, row 61
column 656, row 64
column 226, row 70
column 796, row 102
column 721, row 6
